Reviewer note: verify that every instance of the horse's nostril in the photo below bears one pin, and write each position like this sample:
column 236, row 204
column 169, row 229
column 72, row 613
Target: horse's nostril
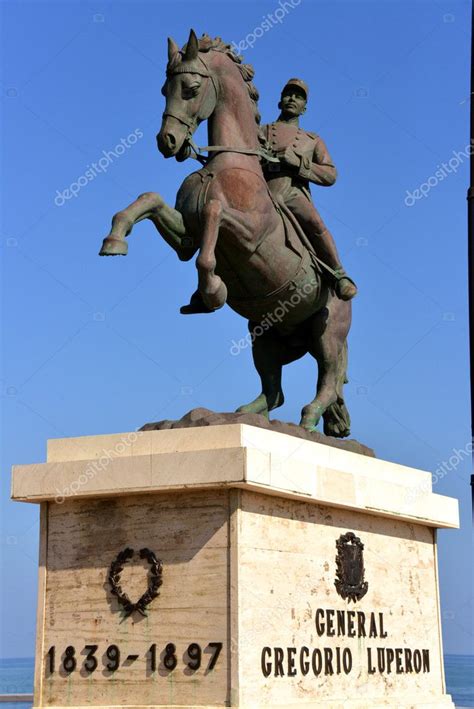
column 166, row 141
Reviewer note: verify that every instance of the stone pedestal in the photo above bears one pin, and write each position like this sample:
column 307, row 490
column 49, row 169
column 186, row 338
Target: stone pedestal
column 235, row 528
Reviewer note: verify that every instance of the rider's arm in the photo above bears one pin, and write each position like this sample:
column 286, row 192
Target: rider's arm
column 318, row 167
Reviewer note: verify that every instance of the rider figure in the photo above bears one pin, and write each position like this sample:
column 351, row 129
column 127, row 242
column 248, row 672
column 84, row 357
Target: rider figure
column 303, row 159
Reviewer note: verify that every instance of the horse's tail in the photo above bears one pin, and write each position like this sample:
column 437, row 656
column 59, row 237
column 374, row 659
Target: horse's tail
column 337, row 421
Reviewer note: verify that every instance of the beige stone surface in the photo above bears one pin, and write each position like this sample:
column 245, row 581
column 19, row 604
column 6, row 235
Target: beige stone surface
column 287, row 570
column 135, row 443
column 406, row 703
column 190, row 536
column 245, row 522
column 242, row 568
column 232, row 456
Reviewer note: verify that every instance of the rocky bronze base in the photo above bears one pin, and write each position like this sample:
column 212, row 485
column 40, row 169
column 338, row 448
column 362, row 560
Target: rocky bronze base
column 206, row 417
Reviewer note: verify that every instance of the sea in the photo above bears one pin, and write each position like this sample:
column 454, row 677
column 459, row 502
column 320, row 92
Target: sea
column 16, row 677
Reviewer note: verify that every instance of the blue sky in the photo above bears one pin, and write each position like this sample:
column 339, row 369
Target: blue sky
column 97, row 345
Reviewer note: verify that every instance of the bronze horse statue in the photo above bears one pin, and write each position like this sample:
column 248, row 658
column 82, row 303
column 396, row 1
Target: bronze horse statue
column 251, row 252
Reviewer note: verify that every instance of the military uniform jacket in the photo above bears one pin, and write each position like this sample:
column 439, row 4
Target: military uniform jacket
column 315, row 164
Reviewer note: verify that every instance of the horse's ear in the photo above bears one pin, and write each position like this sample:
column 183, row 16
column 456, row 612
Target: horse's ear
column 192, row 47
column 173, row 48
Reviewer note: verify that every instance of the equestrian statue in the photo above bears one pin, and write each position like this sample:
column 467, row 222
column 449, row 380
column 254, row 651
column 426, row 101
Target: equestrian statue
column 261, row 245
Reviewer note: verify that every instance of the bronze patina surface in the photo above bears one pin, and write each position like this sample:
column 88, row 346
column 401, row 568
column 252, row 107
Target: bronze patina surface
column 261, row 246
column 303, row 158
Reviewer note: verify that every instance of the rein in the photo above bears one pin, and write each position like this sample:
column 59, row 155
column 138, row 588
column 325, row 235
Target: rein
column 198, row 150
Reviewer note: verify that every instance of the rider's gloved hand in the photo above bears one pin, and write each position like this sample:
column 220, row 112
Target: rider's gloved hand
column 290, row 159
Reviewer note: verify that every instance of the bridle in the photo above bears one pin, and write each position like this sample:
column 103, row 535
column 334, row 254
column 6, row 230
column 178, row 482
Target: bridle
column 192, row 123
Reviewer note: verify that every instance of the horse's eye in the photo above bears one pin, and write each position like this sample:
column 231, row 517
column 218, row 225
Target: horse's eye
column 191, row 91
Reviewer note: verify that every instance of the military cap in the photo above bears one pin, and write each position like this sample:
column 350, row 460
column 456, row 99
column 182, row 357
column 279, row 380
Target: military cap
column 299, row 83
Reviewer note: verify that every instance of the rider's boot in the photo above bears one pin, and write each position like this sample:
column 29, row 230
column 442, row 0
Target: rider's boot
column 325, row 247
column 345, row 287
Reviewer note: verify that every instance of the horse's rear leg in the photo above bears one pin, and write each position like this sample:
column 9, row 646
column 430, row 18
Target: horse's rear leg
column 167, row 220
column 268, row 353
column 329, row 333
column 337, row 421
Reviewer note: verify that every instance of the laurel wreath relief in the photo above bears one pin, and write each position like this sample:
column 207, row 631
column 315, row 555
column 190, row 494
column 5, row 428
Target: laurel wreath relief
column 154, row 583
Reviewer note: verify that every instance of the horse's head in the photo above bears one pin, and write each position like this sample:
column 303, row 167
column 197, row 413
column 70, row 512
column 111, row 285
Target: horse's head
column 190, row 97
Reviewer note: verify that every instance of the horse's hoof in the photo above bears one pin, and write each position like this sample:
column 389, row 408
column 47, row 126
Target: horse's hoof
column 257, row 406
column 195, row 309
column 250, row 409
column 337, row 422
column 309, row 426
column 217, row 298
column 113, row 247
column 337, row 431
column 196, row 305
column 310, row 417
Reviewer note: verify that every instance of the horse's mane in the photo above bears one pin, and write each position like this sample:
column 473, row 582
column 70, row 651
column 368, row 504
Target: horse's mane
column 206, row 43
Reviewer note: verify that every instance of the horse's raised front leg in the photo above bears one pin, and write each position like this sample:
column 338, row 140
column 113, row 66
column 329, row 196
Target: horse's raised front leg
column 167, row 220
column 211, row 286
